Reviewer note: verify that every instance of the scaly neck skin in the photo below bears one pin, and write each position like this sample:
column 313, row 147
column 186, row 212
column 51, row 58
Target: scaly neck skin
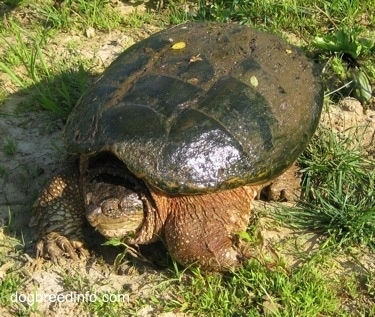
column 154, row 216
column 199, row 229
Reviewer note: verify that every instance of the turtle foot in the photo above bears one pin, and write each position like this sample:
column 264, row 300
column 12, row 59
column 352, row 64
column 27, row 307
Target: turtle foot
column 54, row 245
column 59, row 216
column 201, row 230
column 286, row 187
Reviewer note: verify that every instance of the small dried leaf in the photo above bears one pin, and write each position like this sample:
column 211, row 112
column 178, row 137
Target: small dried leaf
column 254, row 81
column 289, row 51
column 90, row 32
column 193, row 80
column 178, row 46
column 3, row 270
column 195, row 58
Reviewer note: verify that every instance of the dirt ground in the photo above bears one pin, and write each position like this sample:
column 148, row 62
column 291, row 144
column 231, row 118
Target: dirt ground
column 37, row 151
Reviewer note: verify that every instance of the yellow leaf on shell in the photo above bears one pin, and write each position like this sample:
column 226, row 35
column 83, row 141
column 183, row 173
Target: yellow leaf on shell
column 254, row 81
column 178, row 46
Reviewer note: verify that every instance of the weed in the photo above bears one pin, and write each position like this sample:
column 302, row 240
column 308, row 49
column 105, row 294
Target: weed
column 339, row 185
column 60, row 93
column 8, row 287
column 345, row 41
column 25, row 50
column 348, row 46
column 128, row 249
column 9, row 147
column 57, row 88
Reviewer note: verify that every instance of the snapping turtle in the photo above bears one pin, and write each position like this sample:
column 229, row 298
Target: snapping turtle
column 174, row 139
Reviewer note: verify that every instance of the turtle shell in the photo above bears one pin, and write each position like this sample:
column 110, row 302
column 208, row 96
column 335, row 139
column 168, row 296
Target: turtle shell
column 201, row 107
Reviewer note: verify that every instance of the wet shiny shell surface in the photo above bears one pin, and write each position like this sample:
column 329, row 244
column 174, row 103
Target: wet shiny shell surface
column 234, row 106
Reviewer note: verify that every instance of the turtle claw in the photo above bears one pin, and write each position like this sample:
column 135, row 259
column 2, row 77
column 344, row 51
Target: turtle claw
column 54, row 245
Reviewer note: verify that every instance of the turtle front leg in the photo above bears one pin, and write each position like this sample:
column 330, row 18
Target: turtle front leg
column 59, row 216
column 201, row 230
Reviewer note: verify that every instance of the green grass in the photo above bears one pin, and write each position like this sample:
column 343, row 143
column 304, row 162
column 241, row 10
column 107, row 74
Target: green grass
column 137, row 19
column 11, row 275
column 260, row 286
column 56, row 82
column 339, row 185
column 303, row 18
column 78, row 14
column 9, row 286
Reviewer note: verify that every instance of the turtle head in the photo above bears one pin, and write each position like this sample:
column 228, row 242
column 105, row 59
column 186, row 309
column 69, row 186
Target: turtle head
column 114, row 198
column 114, row 210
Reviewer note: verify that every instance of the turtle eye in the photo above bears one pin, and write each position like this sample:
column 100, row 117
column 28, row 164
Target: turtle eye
column 110, row 207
